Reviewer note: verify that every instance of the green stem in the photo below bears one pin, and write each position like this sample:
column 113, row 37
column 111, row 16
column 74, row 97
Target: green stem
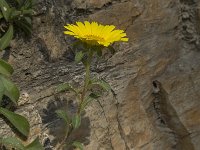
column 87, row 79
column 67, row 134
column 87, row 65
column 87, row 75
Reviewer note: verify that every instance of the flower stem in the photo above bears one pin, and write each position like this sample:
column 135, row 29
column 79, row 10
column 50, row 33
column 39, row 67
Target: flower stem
column 67, row 134
column 86, row 81
column 87, row 65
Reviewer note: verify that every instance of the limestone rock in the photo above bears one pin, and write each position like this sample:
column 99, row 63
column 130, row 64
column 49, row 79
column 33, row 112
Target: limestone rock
column 88, row 4
column 163, row 46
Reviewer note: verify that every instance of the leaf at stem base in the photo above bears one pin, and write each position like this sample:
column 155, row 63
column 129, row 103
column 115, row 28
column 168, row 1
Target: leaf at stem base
column 19, row 122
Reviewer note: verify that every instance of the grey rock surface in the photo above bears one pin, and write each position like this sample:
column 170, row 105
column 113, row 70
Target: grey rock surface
column 164, row 47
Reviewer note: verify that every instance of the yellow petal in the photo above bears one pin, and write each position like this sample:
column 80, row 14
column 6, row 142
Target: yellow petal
column 81, row 27
column 124, row 39
column 87, row 27
column 94, row 28
column 95, row 34
column 68, row 32
column 107, row 30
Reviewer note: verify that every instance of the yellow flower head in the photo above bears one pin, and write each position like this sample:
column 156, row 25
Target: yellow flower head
column 95, row 34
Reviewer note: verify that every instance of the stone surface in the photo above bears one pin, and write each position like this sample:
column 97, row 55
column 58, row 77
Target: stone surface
column 163, row 47
column 89, row 4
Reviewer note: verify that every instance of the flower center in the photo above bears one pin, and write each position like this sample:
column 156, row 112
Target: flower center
column 94, row 38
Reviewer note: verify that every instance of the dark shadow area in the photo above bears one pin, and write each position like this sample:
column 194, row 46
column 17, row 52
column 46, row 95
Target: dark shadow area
column 81, row 134
column 7, row 103
column 69, row 55
column 42, row 47
column 189, row 2
column 56, row 127
column 6, row 54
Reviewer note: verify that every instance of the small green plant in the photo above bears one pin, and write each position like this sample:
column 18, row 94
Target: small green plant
column 13, row 14
column 93, row 39
column 9, row 89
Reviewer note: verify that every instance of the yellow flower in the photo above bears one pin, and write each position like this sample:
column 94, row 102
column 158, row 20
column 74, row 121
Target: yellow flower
column 95, row 34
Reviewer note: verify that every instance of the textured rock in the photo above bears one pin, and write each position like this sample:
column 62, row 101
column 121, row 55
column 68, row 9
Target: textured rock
column 129, row 11
column 163, row 47
column 85, row 4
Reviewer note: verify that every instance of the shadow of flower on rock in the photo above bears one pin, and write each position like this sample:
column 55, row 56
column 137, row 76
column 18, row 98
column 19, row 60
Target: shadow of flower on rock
column 55, row 126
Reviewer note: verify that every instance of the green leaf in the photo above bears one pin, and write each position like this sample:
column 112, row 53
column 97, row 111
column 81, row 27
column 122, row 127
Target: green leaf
column 35, row 145
column 12, row 142
column 94, row 95
column 78, row 145
column 27, row 12
column 19, row 122
column 5, row 68
column 102, row 83
column 5, row 9
column 1, row 92
column 14, row 13
column 34, row 2
column 1, row 15
column 98, row 49
column 86, row 102
column 28, row 4
column 28, row 21
column 7, row 37
column 99, row 52
column 79, row 56
column 25, row 25
column 79, row 45
column 76, row 121
column 65, row 87
column 10, row 89
column 62, row 114
column 20, row 2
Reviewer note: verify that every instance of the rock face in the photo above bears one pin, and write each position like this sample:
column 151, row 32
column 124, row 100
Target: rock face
column 155, row 76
